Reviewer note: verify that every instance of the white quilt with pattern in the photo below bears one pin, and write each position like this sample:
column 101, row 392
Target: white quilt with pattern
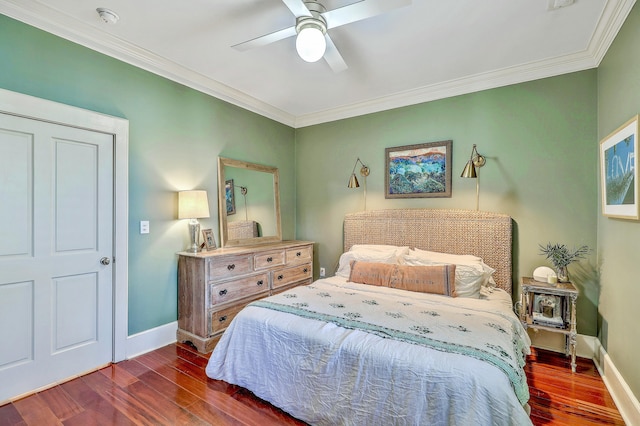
column 336, row 352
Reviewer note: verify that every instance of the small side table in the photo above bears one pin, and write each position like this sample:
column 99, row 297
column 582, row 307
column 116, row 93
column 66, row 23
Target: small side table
column 551, row 307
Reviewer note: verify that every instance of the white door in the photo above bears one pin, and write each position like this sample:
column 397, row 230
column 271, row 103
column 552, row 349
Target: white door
column 56, row 221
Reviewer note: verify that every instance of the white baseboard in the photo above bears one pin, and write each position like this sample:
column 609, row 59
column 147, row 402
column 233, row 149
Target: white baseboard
column 622, row 395
column 149, row 340
column 585, row 345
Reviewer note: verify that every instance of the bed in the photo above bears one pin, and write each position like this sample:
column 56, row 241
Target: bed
column 343, row 352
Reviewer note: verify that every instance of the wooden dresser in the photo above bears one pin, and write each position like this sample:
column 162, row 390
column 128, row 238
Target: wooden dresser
column 214, row 286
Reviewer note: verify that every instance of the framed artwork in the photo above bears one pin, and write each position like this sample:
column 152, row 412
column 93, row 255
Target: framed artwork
column 230, row 197
column 209, row 239
column 548, row 310
column 619, row 172
column 418, row 171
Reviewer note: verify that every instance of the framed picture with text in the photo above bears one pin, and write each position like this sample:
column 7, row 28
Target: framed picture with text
column 418, row 171
column 619, row 172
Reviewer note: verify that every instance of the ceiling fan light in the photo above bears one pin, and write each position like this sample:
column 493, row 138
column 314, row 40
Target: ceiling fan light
column 310, row 43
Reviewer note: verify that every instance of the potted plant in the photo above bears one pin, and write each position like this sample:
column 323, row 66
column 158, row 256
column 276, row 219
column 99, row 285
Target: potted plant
column 561, row 257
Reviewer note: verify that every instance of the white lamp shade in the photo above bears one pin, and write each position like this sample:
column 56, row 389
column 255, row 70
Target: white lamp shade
column 311, row 44
column 193, row 204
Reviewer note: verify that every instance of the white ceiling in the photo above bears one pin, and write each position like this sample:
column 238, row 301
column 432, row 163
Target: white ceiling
column 428, row 50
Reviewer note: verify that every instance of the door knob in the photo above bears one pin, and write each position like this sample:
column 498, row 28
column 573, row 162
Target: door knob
column 105, row 261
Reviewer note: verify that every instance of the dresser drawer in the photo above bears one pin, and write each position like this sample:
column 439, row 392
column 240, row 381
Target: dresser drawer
column 220, row 320
column 239, row 289
column 286, row 276
column 299, row 255
column 230, row 266
column 268, row 259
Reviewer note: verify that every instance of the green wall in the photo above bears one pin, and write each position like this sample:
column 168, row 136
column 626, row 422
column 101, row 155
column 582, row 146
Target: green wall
column 176, row 134
column 619, row 240
column 540, row 141
column 538, row 137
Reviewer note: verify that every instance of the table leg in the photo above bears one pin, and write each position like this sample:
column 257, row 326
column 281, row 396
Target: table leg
column 573, row 333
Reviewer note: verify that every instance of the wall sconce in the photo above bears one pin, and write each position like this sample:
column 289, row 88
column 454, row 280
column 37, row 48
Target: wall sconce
column 193, row 205
column 471, row 170
column 353, row 180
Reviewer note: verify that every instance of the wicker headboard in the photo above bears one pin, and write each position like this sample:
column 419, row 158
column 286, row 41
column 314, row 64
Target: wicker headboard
column 484, row 234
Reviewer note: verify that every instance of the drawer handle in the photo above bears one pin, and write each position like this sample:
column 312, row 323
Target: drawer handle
column 298, row 254
column 222, row 292
column 269, row 259
column 305, row 270
column 259, row 283
column 222, row 318
column 280, row 277
column 231, row 267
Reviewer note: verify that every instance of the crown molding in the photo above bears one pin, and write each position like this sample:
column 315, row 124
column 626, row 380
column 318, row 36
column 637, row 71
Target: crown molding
column 447, row 89
column 611, row 20
column 42, row 17
column 36, row 14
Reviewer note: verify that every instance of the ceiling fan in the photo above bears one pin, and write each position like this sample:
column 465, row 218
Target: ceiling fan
column 313, row 21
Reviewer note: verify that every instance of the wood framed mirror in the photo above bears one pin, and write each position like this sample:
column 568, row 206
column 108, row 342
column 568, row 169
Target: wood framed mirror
column 248, row 203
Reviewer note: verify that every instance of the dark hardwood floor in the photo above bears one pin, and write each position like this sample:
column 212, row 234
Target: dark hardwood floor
column 168, row 387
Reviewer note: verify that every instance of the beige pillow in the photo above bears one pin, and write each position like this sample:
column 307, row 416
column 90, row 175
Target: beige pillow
column 436, row 279
column 379, row 274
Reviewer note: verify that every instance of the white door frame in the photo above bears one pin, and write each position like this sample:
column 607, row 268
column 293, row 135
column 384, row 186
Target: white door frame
column 41, row 109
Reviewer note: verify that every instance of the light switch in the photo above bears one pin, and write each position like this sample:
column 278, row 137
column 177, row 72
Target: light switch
column 144, row 226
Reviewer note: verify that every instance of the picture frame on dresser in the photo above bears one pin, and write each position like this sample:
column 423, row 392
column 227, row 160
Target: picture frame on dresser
column 619, row 172
column 419, row 171
column 209, row 239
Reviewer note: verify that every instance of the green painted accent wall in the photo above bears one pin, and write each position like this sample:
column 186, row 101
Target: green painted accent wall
column 176, row 134
column 619, row 240
column 540, row 141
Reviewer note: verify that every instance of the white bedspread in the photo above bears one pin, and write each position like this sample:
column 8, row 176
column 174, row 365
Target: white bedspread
column 326, row 374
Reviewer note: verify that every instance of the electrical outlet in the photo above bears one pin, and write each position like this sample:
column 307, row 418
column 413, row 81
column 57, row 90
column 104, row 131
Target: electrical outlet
column 144, row 226
column 323, row 272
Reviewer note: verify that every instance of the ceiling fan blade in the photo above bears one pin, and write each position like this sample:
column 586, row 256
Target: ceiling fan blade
column 361, row 10
column 265, row 39
column 333, row 57
column 297, row 7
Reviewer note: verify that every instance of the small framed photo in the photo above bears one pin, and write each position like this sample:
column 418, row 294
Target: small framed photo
column 547, row 309
column 418, row 171
column 619, row 172
column 230, row 197
column 209, row 239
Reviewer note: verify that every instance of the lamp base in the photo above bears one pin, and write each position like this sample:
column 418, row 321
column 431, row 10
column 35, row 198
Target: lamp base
column 194, row 232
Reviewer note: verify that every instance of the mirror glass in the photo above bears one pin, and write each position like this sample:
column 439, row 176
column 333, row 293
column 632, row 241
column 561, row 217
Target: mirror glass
column 248, row 203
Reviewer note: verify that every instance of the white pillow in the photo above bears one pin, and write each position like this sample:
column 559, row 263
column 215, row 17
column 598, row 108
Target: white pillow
column 457, row 259
column 399, row 251
column 370, row 253
column 471, row 272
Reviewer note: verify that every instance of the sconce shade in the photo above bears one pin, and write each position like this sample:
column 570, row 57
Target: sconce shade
column 193, row 204
column 469, row 170
column 353, row 182
column 475, row 161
